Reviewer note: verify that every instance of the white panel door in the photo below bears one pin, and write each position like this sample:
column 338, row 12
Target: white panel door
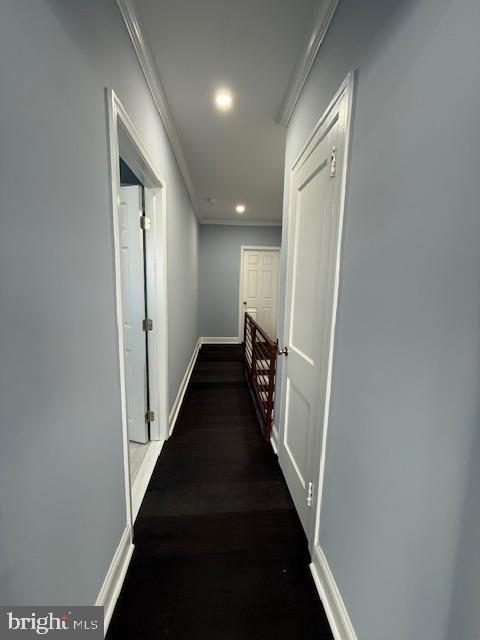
column 260, row 283
column 133, row 306
column 314, row 226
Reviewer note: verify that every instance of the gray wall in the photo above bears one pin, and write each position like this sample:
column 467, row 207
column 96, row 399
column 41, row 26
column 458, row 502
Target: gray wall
column 464, row 614
column 397, row 526
column 62, row 508
column 219, row 268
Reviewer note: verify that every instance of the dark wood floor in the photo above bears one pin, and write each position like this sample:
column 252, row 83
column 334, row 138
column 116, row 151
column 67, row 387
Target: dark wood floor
column 219, row 550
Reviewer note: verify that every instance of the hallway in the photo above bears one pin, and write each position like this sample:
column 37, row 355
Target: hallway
column 219, row 550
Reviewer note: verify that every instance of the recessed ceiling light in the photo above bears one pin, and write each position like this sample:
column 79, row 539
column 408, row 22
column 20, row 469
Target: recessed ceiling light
column 223, row 100
column 212, row 200
column 240, row 208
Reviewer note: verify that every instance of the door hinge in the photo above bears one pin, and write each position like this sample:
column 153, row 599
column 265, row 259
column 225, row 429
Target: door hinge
column 150, row 416
column 309, row 494
column 145, row 223
column 333, row 162
column 283, row 352
column 147, row 324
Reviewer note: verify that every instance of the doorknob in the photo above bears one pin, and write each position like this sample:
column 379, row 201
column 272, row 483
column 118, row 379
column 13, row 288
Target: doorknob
column 283, row 352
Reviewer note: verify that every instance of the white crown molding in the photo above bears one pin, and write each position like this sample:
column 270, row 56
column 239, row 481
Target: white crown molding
column 149, row 68
column 313, row 42
column 242, row 223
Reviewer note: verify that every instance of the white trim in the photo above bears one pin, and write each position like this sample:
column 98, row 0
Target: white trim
column 115, row 182
column 220, row 340
column 123, row 132
column 172, row 419
column 242, row 223
column 244, row 248
column 274, row 439
column 313, row 42
column 112, row 584
column 254, row 247
column 149, row 68
column 144, row 474
column 337, row 614
column 347, row 89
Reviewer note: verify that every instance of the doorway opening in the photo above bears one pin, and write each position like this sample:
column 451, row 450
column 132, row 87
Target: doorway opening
column 140, row 242
column 135, row 314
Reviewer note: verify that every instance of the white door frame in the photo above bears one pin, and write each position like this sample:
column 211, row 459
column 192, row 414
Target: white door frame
column 125, row 140
column 243, row 249
column 346, row 90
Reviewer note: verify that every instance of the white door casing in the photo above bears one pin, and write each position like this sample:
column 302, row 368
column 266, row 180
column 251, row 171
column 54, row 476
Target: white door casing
column 259, row 286
column 125, row 141
column 133, row 301
column 317, row 194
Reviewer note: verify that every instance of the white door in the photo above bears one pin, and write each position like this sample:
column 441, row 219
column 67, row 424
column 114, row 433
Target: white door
column 133, row 301
column 260, row 283
column 314, row 231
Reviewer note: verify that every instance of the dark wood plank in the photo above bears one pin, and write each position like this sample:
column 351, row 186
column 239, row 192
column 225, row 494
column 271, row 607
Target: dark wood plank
column 219, row 550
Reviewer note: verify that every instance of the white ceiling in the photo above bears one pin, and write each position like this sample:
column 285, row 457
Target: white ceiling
column 251, row 47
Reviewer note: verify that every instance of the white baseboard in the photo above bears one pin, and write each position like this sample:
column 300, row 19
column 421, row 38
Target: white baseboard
column 216, row 340
column 274, row 439
column 113, row 582
column 172, row 418
column 140, row 484
column 337, row 614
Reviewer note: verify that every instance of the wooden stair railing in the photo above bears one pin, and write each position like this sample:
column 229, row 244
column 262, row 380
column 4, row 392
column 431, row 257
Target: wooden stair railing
column 259, row 358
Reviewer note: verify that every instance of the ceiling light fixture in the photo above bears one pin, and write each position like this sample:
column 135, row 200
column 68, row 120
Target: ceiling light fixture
column 223, row 100
column 212, row 200
column 240, row 208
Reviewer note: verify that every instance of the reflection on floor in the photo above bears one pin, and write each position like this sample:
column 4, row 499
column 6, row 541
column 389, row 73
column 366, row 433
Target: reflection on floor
column 220, row 553
column 136, row 454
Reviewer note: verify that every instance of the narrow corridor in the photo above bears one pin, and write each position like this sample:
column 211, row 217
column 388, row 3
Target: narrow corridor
column 219, row 550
